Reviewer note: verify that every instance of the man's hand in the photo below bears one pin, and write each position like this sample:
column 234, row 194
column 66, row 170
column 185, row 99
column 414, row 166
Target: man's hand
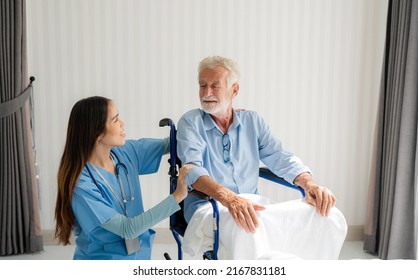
column 244, row 212
column 320, row 197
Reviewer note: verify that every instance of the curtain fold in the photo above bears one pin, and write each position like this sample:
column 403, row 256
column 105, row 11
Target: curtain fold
column 390, row 229
column 20, row 230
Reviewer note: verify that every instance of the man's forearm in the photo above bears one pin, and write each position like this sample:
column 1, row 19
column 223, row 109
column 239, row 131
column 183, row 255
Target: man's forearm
column 206, row 185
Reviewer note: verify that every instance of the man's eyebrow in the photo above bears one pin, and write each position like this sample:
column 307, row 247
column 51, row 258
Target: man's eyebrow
column 213, row 83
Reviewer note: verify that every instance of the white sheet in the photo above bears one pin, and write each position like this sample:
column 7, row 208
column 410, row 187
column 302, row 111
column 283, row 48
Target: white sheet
column 288, row 230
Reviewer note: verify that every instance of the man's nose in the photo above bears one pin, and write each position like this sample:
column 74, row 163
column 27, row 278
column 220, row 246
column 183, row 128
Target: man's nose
column 206, row 92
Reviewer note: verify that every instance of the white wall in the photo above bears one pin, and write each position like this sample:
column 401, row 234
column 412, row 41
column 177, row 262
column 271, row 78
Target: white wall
column 311, row 68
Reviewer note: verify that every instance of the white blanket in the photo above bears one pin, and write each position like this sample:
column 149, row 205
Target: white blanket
column 288, row 230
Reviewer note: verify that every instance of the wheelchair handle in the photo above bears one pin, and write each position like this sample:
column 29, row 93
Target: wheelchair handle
column 165, row 122
column 173, row 160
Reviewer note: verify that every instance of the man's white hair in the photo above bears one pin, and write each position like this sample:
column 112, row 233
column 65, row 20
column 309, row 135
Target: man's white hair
column 231, row 66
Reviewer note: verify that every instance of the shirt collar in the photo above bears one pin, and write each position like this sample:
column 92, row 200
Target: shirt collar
column 209, row 123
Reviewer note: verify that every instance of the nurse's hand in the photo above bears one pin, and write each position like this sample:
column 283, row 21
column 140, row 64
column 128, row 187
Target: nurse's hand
column 181, row 191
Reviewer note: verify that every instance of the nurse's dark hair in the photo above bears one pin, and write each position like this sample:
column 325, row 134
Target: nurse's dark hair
column 86, row 123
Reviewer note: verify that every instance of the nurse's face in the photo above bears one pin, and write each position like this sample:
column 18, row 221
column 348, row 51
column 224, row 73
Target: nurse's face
column 115, row 128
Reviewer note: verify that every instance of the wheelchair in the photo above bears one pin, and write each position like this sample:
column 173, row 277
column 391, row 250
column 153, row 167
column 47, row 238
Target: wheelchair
column 177, row 223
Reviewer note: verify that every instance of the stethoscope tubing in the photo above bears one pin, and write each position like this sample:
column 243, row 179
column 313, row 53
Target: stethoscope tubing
column 119, row 165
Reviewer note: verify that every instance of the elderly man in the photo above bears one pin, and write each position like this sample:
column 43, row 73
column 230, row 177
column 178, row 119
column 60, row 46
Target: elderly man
column 227, row 146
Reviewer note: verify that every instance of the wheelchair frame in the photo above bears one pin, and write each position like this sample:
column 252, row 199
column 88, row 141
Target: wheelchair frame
column 178, row 224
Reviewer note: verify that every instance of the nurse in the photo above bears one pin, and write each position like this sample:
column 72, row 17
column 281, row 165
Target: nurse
column 99, row 194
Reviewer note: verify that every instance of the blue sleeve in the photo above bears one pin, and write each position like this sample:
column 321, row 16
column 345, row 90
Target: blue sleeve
column 166, row 145
column 194, row 174
column 280, row 161
column 144, row 154
column 89, row 206
column 190, row 148
column 133, row 227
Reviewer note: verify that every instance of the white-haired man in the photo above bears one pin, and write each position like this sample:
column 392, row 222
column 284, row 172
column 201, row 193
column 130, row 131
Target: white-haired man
column 227, row 146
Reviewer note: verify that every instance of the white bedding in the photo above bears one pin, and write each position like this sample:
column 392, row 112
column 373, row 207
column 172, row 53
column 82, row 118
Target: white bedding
column 288, row 230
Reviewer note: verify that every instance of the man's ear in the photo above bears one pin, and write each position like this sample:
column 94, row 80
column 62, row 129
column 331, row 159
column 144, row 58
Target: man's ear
column 235, row 89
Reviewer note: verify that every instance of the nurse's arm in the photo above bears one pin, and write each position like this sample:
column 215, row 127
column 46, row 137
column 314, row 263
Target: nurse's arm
column 133, row 227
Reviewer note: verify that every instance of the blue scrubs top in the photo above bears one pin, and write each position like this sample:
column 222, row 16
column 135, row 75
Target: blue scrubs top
column 95, row 204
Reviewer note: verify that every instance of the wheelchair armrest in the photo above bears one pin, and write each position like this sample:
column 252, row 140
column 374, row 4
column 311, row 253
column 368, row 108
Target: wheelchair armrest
column 199, row 194
column 268, row 175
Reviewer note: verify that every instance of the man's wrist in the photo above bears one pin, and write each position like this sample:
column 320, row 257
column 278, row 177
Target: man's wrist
column 225, row 196
column 303, row 180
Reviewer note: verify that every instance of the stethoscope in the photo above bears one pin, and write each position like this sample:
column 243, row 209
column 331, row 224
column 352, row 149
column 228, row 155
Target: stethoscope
column 118, row 166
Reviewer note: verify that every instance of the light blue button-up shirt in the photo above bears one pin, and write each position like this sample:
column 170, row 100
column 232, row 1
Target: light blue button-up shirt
column 199, row 141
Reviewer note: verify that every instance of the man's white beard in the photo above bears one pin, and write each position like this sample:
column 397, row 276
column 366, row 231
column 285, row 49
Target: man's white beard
column 217, row 109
